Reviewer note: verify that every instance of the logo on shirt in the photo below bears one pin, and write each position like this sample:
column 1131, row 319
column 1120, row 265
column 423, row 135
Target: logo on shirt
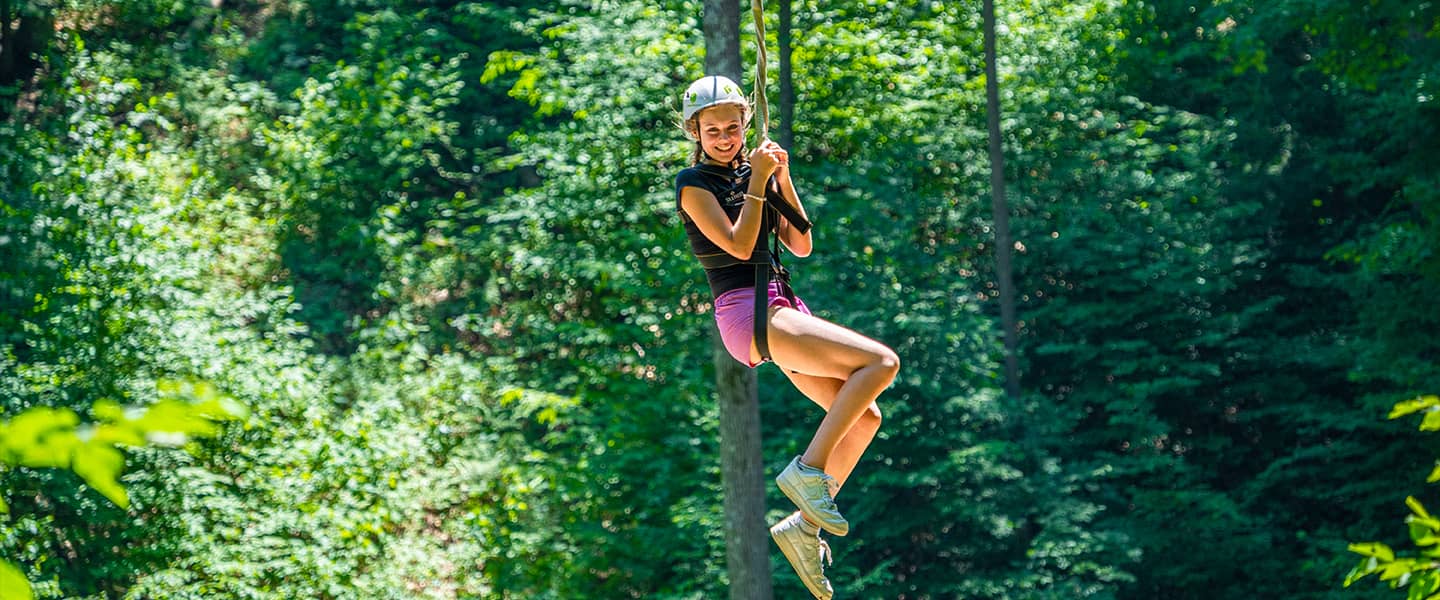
column 736, row 194
column 733, row 197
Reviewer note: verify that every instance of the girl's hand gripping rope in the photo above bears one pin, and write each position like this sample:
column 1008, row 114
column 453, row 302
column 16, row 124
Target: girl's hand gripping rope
column 766, row 159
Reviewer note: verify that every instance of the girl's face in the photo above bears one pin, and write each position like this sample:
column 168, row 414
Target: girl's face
column 722, row 131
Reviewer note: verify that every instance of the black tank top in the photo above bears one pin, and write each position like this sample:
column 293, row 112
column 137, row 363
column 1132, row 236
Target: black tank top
column 729, row 187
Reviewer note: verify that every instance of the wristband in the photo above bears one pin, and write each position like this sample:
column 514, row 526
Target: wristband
column 754, row 197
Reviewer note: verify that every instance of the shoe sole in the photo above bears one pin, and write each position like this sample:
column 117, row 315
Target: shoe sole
column 792, row 554
column 800, row 503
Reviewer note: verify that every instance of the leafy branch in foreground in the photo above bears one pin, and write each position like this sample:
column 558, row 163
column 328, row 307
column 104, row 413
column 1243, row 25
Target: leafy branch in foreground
column 45, row 437
column 1418, row 572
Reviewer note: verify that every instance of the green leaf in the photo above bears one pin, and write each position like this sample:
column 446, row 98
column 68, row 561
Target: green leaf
column 1415, row 405
column 1418, row 508
column 1432, row 420
column 1422, row 531
column 1375, row 549
column 222, row 408
column 1416, row 591
column 118, row 433
column 175, row 416
column 13, row 585
column 1394, row 570
column 108, row 410
column 1427, row 583
column 1365, row 567
column 37, row 437
column 100, row 465
column 52, row 450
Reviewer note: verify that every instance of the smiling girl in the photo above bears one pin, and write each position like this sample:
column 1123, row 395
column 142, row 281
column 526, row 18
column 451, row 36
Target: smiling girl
column 730, row 201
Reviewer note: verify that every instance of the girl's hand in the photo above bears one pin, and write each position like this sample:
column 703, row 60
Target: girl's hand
column 766, row 159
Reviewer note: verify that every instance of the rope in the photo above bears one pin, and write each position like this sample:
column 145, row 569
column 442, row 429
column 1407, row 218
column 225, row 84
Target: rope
column 763, row 273
column 762, row 106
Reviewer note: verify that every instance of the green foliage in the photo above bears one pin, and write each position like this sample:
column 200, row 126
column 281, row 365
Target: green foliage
column 1320, row 152
column 44, row 437
column 149, row 228
column 1417, row 574
column 14, row 584
column 431, row 247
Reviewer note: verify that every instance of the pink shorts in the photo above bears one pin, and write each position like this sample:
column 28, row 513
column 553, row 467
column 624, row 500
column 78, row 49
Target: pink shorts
column 735, row 316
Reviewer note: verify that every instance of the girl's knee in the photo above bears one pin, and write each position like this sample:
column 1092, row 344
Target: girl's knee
column 889, row 361
column 883, row 360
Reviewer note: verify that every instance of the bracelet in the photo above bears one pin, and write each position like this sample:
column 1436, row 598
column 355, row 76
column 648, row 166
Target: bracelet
column 754, row 197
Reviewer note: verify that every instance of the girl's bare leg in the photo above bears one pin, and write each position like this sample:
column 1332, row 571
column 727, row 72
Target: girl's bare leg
column 814, row 346
column 822, row 391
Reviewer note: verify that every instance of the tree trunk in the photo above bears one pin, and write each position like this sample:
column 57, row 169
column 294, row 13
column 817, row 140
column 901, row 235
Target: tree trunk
column 722, row 38
column 747, row 546
column 747, row 549
column 1000, row 209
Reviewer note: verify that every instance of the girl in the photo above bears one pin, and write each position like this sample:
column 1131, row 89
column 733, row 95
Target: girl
column 722, row 199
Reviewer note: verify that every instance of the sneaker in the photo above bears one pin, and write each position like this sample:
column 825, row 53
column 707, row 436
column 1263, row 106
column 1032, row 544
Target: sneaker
column 800, row 542
column 813, row 492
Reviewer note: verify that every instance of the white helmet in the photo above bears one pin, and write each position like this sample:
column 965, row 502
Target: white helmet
column 709, row 91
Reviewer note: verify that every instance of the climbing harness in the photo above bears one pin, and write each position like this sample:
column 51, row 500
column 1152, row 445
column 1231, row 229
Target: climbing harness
column 768, row 266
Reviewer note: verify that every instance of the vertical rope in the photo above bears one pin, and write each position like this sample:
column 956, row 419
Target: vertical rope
column 763, row 108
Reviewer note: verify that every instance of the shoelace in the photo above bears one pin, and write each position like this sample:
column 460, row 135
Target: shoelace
column 825, row 552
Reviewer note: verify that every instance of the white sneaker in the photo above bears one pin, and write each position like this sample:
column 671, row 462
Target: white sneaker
column 802, row 546
column 813, row 492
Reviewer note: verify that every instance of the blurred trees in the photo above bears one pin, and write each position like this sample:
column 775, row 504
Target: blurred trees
column 431, row 246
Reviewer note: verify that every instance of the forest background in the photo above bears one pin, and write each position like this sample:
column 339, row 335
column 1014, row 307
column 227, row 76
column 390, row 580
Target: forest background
column 429, row 252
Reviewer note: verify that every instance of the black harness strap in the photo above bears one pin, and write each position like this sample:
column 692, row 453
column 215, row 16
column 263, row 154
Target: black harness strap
column 767, row 268
column 780, row 273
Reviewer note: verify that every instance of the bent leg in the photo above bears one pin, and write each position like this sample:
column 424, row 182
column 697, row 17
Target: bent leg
column 814, row 346
column 822, row 391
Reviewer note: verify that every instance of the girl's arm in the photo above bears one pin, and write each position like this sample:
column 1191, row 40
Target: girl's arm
column 738, row 238
column 798, row 243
